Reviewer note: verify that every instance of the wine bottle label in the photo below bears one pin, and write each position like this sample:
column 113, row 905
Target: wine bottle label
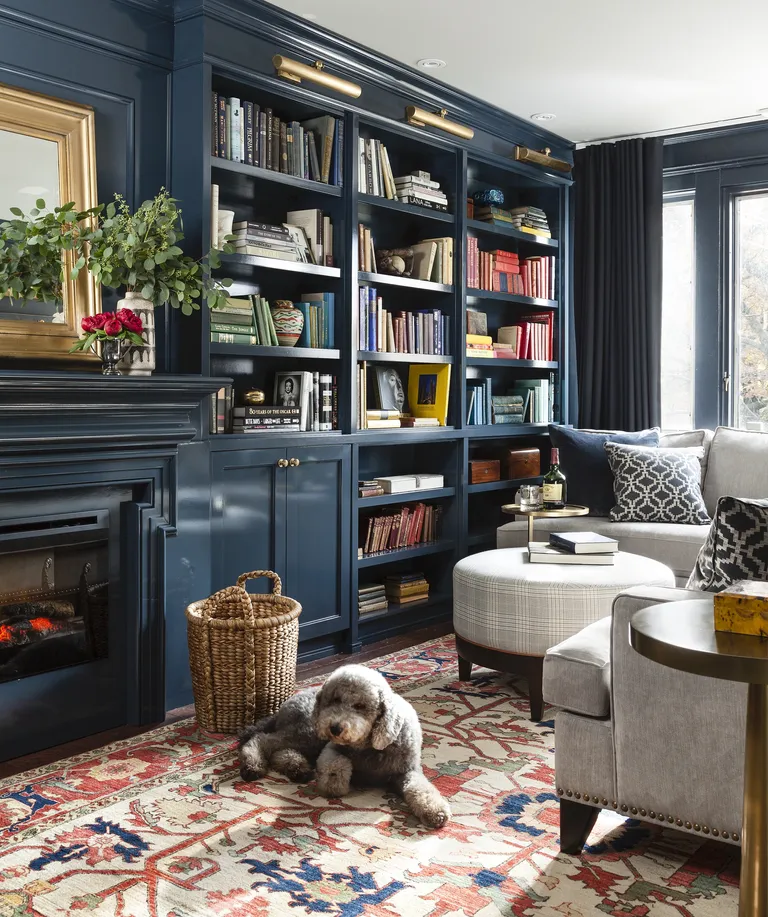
column 552, row 493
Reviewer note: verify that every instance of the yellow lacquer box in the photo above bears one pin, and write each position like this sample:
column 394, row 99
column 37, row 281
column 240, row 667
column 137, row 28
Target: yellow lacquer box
column 743, row 608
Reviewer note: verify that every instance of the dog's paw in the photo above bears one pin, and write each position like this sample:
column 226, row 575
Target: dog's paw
column 301, row 776
column 437, row 816
column 333, row 788
column 249, row 774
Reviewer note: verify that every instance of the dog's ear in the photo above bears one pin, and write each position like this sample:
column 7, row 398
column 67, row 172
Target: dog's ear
column 389, row 722
column 316, row 707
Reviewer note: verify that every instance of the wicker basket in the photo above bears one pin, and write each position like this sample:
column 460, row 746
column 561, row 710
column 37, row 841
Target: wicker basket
column 242, row 652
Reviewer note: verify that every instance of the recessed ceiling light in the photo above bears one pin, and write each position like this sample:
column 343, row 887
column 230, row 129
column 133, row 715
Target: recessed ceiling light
column 430, row 63
column 543, row 116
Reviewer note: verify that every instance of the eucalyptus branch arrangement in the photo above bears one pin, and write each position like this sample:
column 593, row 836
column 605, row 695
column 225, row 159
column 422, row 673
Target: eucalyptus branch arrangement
column 31, row 247
column 140, row 251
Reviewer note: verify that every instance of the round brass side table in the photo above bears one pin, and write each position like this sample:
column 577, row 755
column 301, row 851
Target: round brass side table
column 682, row 635
column 570, row 509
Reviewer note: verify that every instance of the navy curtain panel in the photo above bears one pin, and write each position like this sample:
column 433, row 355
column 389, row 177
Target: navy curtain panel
column 618, row 200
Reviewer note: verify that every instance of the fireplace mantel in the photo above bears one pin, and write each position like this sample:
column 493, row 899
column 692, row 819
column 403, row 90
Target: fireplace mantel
column 61, row 410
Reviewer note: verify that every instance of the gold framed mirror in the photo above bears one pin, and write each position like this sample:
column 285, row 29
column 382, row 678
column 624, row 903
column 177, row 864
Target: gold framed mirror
column 47, row 150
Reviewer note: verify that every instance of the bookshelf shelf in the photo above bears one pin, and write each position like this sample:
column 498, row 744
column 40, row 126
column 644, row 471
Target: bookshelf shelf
column 500, row 485
column 394, row 609
column 376, row 357
column 276, row 264
column 291, row 353
column 492, row 430
column 410, row 433
column 527, row 238
column 410, row 496
column 371, row 200
column 390, row 557
column 512, row 298
column 389, row 280
column 513, row 364
column 241, row 168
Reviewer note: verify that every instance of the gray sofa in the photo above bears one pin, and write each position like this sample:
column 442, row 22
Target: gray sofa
column 735, row 463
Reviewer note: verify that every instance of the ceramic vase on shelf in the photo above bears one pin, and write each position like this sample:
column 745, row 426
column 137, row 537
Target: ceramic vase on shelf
column 288, row 322
column 112, row 351
column 140, row 361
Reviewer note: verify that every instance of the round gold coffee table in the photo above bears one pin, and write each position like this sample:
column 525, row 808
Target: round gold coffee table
column 570, row 509
column 682, row 635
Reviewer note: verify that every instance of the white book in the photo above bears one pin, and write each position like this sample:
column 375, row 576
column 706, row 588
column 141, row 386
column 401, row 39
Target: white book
column 234, row 128
column 306, row 401
column 362, row 185
column 242, row 134
column 429, row 481
column 539, row 552
column 416, row 179
column 398, row 483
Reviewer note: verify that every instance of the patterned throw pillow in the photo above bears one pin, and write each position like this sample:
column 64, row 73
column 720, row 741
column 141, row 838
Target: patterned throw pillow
column 736, row 547
column 657, row 485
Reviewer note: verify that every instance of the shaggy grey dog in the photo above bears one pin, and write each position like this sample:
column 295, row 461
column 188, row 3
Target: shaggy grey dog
column 354, row 729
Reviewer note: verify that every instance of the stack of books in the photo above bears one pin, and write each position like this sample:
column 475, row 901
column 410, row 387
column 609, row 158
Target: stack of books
column 480, row 345
column 532, row 338
column 266, row 419
column 374, row 169
column 370, row 489
column 394, row 530
column 507, row 408
column 497, row 270
column 574, row 548
column 303, row 402
column 268, row 240
column 243, row 131
column 538, row 276
column 406, row 588
column 530, row 219
column 426, row 331
column 220, row 406
column 421, row 190
column 245, row 320
column 371, row 598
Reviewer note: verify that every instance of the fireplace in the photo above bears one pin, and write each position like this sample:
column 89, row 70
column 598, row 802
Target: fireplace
column 90, row 470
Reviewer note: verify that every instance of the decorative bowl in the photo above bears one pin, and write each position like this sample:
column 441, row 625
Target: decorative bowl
column 489, row 196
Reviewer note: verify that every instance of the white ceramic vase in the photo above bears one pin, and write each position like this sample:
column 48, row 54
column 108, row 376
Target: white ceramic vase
column 140, row 361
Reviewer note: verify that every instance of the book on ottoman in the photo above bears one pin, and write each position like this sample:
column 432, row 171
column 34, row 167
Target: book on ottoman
column 583, row 543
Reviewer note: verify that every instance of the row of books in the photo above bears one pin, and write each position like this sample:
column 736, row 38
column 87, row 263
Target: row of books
column 244, row 131
column 398, row 589
column 411, row 525
column 248, row 320
column 375, row 177
column 526, row 401
column 425, row 331
column 526, row 218
column 305, row 237
column 502, row 272
column 532, row 338
column 430, row 259
column 303, row 402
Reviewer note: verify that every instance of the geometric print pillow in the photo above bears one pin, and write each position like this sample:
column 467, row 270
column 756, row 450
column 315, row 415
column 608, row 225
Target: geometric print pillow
column 657, row 485
column 736, row 547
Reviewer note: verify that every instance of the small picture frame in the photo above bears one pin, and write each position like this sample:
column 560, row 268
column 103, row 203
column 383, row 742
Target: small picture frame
column 390, row 389
column 428, row 390
column 287, row 392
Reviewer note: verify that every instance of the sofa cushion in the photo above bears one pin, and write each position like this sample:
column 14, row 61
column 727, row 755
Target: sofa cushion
column 677, row 546
column 736, row 547
column 685, row 439
column 585, row 464
column 577, row 672
column 657, row 485
column 738, row 465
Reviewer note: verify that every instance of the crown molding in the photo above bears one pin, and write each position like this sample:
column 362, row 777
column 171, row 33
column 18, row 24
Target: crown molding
column 163, row 9
column 355, row 62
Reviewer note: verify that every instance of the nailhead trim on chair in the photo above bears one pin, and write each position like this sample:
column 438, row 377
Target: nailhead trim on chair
column 633, row 810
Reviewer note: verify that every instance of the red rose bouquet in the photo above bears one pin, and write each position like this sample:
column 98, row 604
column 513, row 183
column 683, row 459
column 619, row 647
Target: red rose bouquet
column 123, row 325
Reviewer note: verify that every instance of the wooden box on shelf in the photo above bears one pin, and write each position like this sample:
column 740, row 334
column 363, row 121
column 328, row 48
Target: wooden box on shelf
column 481, row 471
column 523, row 463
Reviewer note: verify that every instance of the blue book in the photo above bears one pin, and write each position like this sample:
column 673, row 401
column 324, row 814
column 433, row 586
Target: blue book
column 325, row 303
column 362, row 333
column 372, row 325
column 330, row 322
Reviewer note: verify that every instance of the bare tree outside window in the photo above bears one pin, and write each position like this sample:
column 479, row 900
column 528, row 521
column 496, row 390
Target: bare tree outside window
column 750, row 384
column 677, row 316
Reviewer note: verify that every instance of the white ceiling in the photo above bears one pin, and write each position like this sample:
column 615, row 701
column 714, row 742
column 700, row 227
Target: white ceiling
column 606, row 68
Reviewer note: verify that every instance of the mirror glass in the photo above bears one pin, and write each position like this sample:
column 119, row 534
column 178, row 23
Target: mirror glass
column 29, row 169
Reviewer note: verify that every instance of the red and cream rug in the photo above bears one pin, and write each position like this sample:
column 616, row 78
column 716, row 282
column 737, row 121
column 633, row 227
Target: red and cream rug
column 162, row 825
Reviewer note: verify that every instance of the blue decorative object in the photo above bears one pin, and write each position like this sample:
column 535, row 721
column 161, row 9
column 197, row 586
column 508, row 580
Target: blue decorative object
column 491, row 196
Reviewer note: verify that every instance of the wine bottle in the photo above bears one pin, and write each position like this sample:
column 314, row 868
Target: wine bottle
column 554, row 484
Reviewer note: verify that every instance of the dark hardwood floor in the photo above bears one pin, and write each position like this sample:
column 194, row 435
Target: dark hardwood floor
column 305, row 671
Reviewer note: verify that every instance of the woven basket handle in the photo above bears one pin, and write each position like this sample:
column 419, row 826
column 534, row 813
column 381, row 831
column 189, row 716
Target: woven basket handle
column 277, row 586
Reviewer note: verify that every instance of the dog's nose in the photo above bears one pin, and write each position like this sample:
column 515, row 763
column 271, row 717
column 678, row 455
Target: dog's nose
column 335, row 729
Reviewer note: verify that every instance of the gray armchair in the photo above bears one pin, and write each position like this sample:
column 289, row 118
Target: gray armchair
column 637, row 737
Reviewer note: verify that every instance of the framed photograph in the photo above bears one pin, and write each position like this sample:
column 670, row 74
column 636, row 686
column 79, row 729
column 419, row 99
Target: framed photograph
column 287, row 390
column 428, row 389
column 390, row 389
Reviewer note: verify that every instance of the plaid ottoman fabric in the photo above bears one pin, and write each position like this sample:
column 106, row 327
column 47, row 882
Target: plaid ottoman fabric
column 503, row 602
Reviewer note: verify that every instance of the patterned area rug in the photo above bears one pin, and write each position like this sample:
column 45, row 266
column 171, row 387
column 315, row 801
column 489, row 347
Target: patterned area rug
column 162, row 825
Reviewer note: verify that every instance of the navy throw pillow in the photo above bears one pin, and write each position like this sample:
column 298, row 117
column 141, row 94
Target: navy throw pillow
column 585, row 464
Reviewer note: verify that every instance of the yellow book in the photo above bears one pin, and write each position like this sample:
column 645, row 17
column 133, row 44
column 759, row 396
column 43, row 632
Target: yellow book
column 479, row 339
column 428, row 391
column 536, row 232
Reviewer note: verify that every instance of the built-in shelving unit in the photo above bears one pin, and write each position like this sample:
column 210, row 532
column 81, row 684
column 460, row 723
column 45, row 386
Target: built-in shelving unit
column 252, row 486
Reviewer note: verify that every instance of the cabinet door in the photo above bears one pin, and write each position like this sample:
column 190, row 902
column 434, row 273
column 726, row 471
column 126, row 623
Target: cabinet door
column 318, row 500
column 248, row 515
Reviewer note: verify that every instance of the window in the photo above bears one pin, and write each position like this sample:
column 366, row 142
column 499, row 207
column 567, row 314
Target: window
column 750, row 312
column 677, row 315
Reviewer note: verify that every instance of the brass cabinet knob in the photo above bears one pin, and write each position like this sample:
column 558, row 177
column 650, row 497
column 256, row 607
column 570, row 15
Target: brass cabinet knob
column 282, row 463
column 294, row 462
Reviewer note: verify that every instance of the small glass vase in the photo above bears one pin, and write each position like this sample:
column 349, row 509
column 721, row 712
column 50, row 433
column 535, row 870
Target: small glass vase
column 112, row 351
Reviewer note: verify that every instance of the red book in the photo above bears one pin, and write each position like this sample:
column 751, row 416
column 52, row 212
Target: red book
column 525, row 334
column 508, row 256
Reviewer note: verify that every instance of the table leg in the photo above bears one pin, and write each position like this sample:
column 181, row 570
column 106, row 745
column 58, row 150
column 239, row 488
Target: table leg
column 530, row 528
column 753, row 894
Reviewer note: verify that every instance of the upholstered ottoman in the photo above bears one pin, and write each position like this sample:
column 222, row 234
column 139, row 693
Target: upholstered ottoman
column 508, row 612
